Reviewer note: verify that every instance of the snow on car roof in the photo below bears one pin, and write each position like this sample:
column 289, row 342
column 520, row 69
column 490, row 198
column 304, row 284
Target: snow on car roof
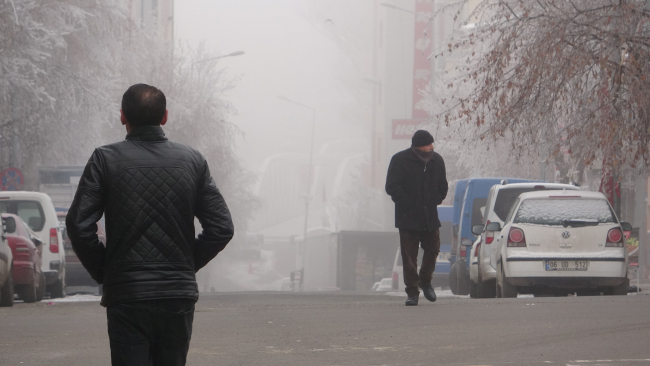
column 561, row 194
column 558, row 186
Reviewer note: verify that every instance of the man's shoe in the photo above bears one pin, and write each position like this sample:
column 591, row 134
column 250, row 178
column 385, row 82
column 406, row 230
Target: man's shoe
column 412, row 301
column 429, row 293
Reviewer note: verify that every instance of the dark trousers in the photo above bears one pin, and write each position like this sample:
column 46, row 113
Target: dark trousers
column 151, row 332
column 410, row 242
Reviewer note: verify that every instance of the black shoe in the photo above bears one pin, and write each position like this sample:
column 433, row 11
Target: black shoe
column 412, row 301
column 429, row 293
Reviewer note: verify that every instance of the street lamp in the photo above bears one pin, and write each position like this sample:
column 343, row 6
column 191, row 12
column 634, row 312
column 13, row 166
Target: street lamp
column 232, row 54
column 311, row 159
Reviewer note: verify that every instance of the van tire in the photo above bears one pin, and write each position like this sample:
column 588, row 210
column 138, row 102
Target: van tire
column 487, row 289
column 504, row 289
column 7, row 290
column 40, row 293
column 57, row 289
column 28, row 292
column 453, row 279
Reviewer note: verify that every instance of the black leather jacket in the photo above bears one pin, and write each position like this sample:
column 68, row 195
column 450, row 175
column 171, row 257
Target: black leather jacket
column 150, row 189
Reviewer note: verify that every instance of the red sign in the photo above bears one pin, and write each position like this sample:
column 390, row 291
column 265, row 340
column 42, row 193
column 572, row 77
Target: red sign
column 11, row 179
column 404, row 129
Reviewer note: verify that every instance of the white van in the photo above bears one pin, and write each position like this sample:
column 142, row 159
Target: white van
column 37, row 210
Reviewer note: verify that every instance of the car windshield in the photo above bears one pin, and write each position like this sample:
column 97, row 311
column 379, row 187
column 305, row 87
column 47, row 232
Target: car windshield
column 556, row 211
column 30, row 211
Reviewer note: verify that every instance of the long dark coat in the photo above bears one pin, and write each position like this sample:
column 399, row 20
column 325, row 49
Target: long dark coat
column 417, row 189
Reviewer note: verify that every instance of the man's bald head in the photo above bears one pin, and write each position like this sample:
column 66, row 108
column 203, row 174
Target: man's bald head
column 144, row 105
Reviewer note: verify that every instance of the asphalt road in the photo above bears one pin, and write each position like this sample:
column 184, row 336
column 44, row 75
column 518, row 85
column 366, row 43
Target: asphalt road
column 355, row 329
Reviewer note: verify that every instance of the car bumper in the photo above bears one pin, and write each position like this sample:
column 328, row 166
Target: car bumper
column 531, row 272
column 23, row 273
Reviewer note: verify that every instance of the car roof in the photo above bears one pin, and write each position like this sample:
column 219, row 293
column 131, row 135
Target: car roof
column 23, row 195
column 558, row 186
column 561, row 194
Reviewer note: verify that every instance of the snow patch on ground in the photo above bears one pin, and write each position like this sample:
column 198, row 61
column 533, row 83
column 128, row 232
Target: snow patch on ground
column 76, row 298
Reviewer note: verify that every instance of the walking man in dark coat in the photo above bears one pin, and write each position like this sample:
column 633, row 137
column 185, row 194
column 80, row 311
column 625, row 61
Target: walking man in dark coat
column 417, row 183
column 149, row 190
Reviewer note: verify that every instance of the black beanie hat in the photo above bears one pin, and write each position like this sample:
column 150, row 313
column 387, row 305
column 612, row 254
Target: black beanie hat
column 421, row 138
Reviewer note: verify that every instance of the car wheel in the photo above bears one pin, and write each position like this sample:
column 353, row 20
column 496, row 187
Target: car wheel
column 503, row 287
column 453, row 278
column 473, row 290
column 58, row 288
column 620, row 289
column 7, row 290
column 28, row 292
column 40, row 293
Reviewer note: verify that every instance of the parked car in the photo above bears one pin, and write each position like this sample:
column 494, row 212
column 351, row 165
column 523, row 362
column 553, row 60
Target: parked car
column 441, row 274
column 76, row 277
column 498, row 204
column 471, row 213
column 561, row 242
column 385, row 285
column 27, row 250
column 6, row 275
column 37, row 210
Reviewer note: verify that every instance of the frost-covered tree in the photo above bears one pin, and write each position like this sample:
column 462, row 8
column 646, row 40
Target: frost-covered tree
column 566, row 80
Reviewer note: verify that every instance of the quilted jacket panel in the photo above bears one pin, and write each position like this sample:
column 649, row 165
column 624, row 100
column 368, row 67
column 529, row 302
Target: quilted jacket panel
column 150, row 190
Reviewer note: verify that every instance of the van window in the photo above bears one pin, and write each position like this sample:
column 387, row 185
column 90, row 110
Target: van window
column 478, row 206
column 554, row 211
column 30, row 211
column 445, row 232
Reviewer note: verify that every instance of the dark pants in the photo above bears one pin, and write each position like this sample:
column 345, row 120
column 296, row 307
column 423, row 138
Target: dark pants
column 150, row 333
column 410, row 242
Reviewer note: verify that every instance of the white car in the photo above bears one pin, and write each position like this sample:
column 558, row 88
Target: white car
column 561, row 242
column 473, row 268
column 386, row 284
column 498, row 204
column 37, row 210
column 6, row 282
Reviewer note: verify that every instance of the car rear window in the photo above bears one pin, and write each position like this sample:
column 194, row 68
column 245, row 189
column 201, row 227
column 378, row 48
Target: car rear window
column 30, row 211
column 555, row 211
column 506, row 197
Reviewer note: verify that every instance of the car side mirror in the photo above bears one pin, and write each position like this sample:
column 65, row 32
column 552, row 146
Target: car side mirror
column 9, row 225
column 477, row 230
column 493, row 226
column 37, row 241
column 626, row 226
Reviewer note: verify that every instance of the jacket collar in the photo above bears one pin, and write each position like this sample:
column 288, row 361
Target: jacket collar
column 412, row 156
column 147, row 133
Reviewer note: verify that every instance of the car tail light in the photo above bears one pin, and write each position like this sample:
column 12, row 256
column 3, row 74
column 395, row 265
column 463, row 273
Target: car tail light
column 395, row 280
column 489, row 235
column 54, row 241
column 22, row 252
column 464, row 243
column 516, row 238
column 614, row 238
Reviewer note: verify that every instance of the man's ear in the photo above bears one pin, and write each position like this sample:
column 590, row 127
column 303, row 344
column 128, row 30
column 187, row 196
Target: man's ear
column 122, row 118
column 164, row 120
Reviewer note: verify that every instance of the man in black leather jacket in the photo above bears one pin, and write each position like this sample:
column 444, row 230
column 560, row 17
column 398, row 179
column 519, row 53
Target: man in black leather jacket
column 149, row 189
column 417, row 183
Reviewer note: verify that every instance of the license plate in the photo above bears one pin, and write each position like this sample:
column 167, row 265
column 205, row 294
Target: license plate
column 570, row 265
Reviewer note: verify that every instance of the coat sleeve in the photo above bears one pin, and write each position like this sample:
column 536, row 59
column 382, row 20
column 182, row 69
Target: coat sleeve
column 443, row 185
column 395, row 181
column 81, row 221
column 215, row 219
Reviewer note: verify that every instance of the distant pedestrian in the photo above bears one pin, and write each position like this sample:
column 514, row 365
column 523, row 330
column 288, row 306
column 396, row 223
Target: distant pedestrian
column 417, row 183
column 149, row 190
